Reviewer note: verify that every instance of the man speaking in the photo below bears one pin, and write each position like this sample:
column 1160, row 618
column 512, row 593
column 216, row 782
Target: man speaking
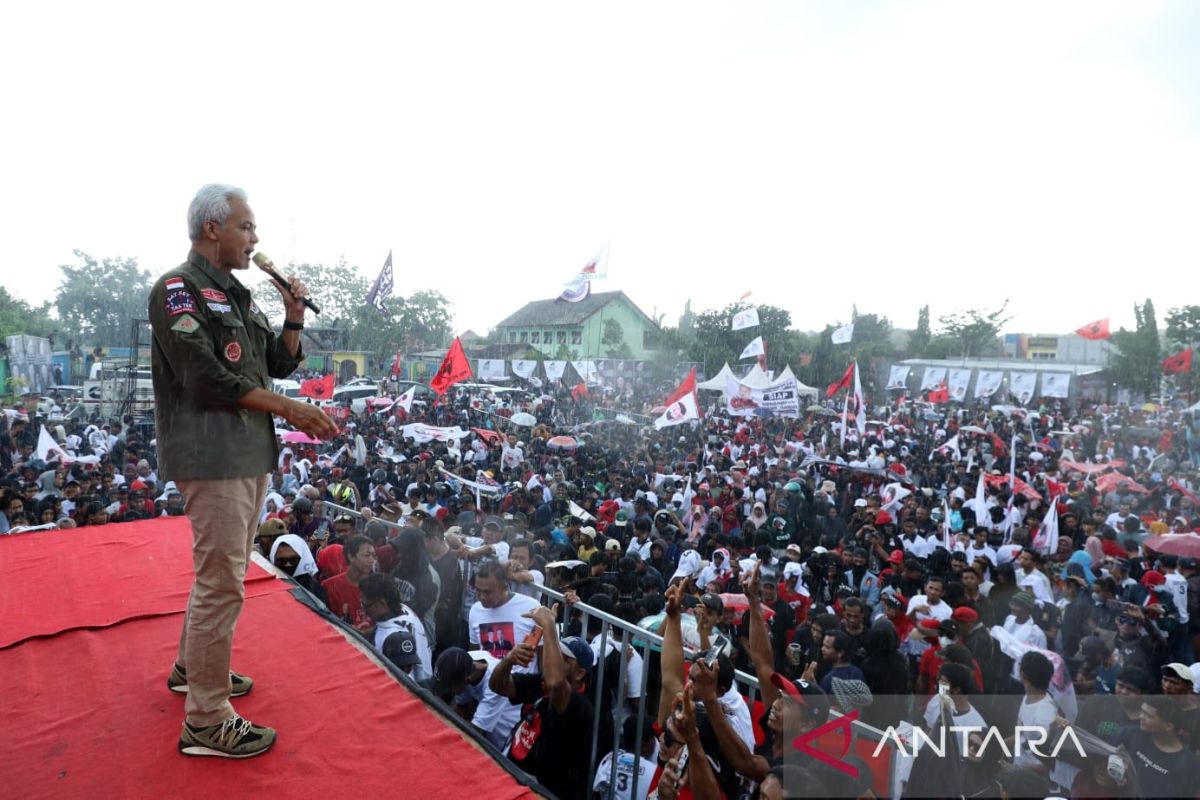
column 212, row 358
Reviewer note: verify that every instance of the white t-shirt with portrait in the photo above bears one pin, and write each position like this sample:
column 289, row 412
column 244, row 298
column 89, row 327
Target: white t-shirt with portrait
column 497, row 630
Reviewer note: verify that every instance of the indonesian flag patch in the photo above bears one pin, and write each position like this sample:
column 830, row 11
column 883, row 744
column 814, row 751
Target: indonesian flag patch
column 233, row 352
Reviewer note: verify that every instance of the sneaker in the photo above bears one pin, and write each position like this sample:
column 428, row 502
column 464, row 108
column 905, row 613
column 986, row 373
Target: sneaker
column 233, row 738
column 177, row 682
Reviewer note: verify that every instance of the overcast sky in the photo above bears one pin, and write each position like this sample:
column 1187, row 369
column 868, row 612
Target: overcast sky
column 816, row 154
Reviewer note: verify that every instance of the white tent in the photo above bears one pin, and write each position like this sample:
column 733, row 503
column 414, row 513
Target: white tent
column 804, row 391
column 717, row 382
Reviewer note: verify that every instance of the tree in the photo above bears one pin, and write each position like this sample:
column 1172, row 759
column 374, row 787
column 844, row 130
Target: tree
column 1136, row 362
column 715, row 343
column 872, row 337
column 1183, row 325
column 337, row 288
column 919, row 339
column 612, row 339
column 973, row 330
column 97, row 300
column 17, row 317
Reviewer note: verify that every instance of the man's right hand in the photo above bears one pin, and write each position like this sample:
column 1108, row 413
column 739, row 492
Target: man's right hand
column 675, row 601
column 310, row 419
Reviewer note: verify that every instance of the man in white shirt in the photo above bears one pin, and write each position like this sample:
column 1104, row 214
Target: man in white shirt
column 495, row 621
column 1020, row 621
column 915, row 545
column 1038, row 710
column 928, row 606
column 1028, row 575
column 381, row 602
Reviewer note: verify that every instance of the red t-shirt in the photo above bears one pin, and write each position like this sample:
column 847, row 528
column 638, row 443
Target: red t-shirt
column 343, row 598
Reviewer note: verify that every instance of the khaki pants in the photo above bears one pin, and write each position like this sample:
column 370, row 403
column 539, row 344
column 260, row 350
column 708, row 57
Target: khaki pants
column 224, row 517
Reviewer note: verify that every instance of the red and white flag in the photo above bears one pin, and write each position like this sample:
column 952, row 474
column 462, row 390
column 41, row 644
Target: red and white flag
column 1094, row 330
column 594, row 269
column 682, row 405
column 1047, row 538
column 860, row 406
column 747, row 318
column 940, row 395
column 454, row 368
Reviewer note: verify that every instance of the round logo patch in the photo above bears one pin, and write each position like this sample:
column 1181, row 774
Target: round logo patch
column 233, row 352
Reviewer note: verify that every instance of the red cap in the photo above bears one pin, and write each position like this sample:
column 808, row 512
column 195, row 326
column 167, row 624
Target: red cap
column 1153, row 577
column 965, row 614
column 930, row 627
column 137, row 486
column 883, row 518
column 896, row 557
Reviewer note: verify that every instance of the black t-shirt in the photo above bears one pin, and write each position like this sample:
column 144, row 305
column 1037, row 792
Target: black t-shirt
column 1159, row 774
column 553, row 747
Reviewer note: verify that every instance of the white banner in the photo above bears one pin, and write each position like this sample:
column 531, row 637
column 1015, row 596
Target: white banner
column 555, row 369
column 777, row 400
column 1021, row 384
column 933, row 378
column 755, row 348
column 422, row 433
column 1056, row 384
column 745, row 319
column 987, row 382
column 898, row 377
column 844, row 334
column 523, row 368
column 491, row 368
column 957, row 384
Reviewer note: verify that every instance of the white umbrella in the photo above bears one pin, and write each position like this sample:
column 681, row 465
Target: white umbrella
column 524, row 419
column 971, row 429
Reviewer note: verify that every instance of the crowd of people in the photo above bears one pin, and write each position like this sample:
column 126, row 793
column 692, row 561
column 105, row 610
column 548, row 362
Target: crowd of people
column 991, row 567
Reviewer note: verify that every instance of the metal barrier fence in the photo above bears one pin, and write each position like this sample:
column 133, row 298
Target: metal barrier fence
column 645, row 642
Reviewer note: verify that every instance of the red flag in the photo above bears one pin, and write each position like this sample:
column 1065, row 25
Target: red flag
column 844, row 383
column 318, row 388
column 1054, row 489
column 1178, row 363
column 454, row 368
column 687, row 387
column 579, row 391
column 940, row 394
column 396, row 365
column 1094, row 330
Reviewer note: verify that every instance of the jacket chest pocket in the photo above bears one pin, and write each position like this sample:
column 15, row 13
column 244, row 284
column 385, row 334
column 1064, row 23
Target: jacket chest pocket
column 233, row 345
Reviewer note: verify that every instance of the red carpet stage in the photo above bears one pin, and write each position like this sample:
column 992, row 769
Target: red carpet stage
column 89, row 625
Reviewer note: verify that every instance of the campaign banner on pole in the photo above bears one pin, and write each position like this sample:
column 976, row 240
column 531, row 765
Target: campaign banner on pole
column 1021, row 384
column 780, row 399
column 898, row 377
column 523, row 368
column 987, row 382
column 554, row 369
column 957, row 383
column 933, row 378
column 491, row 369
column 1056, row 384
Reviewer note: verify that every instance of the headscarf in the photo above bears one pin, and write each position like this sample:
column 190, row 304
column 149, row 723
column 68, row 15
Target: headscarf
column 1084, row 561
column 307, row 565
column 1094, row 550
column 266, row 513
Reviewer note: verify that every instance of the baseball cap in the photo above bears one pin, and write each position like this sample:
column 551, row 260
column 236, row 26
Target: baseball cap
column 576, row 648
column 272, row 527
column 809, row 695
column 621, row 520
column 588, row 531
column 401, row 648
column 860, row 502
column 795, row 548
column 612, row 545
column 1177, row 670
column 493, row 522
column 1134, row 676
column 1024, row 599
column 896, row 557
column 713, row 601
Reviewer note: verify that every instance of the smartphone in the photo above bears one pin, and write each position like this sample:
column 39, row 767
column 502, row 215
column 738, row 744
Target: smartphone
column 534, row 637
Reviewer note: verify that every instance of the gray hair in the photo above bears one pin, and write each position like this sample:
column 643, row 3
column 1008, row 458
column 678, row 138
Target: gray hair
column 211, row 203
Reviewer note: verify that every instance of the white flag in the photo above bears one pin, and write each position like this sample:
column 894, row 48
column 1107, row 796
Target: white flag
column 844, row 334
column 579, row 512
column 594, row 269
column 555, row 369
column 523, row 368
column 745, row 319
column 491, row 368
column 951, row 445
column 1047, row 538
column 860, row 420
column 682, row 410
column 983, row 519
column 755, row 348
column 47, row 447
column 405, row 400
column 898, row 377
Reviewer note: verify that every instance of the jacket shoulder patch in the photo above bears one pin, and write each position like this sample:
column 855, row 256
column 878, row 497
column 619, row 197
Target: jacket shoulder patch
column 186, row 324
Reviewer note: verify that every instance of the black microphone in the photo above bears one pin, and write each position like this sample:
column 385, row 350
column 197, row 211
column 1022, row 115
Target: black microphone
column 263, row 262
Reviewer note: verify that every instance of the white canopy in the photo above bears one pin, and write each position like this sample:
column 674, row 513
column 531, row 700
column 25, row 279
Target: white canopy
column 755, row 378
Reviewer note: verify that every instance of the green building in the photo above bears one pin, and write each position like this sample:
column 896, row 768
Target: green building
column 577, row 330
